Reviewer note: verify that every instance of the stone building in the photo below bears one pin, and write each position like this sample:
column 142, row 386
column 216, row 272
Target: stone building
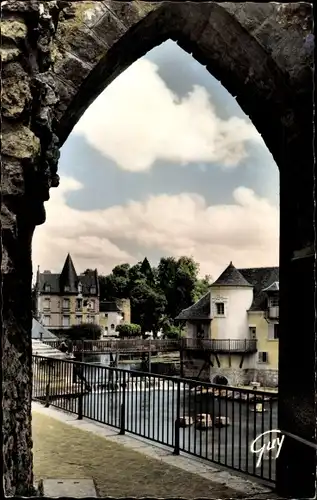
column 240, row 315
column 113, row 314
column 67, row 299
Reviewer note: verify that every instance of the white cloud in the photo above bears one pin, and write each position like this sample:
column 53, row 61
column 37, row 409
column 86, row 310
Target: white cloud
column 138, row 120
column 245, row 232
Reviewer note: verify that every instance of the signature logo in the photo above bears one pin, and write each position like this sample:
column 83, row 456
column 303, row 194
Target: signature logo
column 275, row 443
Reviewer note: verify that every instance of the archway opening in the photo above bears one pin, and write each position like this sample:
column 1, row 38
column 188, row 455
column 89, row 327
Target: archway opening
column 220, row 380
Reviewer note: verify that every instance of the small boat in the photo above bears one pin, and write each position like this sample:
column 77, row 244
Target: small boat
column 222, row 422
column 186, row 421
column 203, row 421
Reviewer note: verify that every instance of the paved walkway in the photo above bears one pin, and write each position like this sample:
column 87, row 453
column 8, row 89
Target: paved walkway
column 151, row 469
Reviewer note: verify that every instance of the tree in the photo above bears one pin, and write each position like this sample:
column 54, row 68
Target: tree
column 85, row 331
column 173, row 332
column 115, row 285
column 178, row 280
column 202, row 287
column 130, row 330
column 146, row 271
column 148, row 305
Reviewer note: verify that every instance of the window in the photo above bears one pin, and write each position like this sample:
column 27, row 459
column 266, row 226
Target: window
column 79, row 320
column 263, row 357
column 66, row 304
column 252, row 332
column 47, row 320
column 274, row 302
column 106, row 329
column 67, row 288
column 66, row 321
column 47, row 304
column 91, row 305
column 47, row 288
column 80, row 288
column 79, row 304
column 106, row 315
column 90, row 319
column 112, row 326
column 220, row 308
column 92, row 289
column 276, row 331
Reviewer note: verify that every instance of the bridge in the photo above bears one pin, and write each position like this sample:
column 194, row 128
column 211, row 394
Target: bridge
column 138, row 345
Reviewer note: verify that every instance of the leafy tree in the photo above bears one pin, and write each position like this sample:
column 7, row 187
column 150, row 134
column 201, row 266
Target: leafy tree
column 148, row 305
column 202, row 287
column 129, row 330
column 173, row 332
column 115, row 285
column 177, row 280
column 157, row 294
column 146, row 271
column 85, row 331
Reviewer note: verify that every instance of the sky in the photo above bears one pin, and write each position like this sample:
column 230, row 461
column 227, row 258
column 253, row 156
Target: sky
column 163, row 163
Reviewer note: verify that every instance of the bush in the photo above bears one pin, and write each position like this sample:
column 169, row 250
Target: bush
column 172, row 332
column 130, row 330
column 85, row 331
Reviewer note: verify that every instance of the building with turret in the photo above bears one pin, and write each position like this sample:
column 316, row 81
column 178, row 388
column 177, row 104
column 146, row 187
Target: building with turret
column 66, row 299
column 239, row 319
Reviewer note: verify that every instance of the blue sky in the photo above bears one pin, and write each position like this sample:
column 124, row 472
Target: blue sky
column 164, row 162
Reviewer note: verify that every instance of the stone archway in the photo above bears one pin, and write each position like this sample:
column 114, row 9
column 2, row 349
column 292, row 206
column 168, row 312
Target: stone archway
column 220, row 380
column 58, row 56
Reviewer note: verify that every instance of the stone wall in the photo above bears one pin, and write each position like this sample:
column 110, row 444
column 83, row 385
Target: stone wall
column 28, row 147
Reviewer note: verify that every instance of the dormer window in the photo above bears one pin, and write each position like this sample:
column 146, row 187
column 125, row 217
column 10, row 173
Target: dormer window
column 80, row 288
column 66, row 288
column 47, row 288
column 93, row 289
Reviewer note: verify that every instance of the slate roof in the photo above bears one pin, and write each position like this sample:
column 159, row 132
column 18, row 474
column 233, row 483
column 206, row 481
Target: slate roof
column 68, row 277
column 260, row 278
column 231, row 277
column 37, row 329
column 198, row 311
column 106, row 306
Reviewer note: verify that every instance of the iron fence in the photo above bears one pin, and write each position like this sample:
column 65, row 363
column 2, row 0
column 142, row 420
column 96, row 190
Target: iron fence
column 215, row 423
column 140, row 345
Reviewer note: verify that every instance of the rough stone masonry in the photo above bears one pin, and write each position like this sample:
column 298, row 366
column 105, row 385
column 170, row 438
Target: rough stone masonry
column 57, row 56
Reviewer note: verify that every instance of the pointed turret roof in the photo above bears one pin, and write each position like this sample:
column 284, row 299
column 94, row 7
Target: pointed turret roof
column 68, row 276
column 231, row 277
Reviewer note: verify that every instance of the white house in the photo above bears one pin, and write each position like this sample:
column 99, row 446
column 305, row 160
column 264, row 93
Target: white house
column 236, row 316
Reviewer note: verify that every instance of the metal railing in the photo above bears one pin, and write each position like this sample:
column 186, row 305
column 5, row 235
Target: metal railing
column 215, row 423
column 221, row 345
column 137, row 345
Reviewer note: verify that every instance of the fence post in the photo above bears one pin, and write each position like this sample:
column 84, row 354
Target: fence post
column 123, row 404
column 81, row 397
column 47, row 389
column 177, row 421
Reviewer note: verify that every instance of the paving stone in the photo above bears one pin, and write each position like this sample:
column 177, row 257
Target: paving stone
column 73, row 488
